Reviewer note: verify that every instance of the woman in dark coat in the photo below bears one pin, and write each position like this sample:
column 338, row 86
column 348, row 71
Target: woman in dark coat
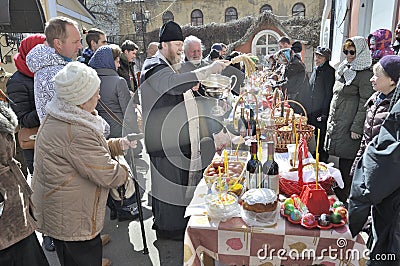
column 320, row 95
column 18, row 242
column 114, row 91
column 347, row 110
column 376, row 184
column 294, row 71
column 20, row 91
column 384, row 80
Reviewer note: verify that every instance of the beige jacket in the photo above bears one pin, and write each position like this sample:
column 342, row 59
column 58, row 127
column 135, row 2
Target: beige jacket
column 74, row 170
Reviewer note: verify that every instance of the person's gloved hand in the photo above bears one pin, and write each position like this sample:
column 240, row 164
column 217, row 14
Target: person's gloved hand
column 215, row 68
column 126, row 144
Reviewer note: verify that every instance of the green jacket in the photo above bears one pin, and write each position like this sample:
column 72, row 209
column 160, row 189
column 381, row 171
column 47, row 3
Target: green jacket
column 347, row 114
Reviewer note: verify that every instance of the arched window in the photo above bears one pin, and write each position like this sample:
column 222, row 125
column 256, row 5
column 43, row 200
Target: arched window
column 265, row 42
column 196, row 18
column 299, row 10
column 265, row 8
column 231, row 14
column 167, row 16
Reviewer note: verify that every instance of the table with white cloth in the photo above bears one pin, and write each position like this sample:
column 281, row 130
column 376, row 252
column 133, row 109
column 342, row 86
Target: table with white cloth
column 234, row 243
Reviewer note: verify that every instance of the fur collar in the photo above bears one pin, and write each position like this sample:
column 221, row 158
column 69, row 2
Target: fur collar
column 74, row 115
column 8, row 119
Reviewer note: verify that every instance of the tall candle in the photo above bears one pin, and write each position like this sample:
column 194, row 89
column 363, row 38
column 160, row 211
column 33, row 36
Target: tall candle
column 316, row 170
column 295, row 150
column 317, row 148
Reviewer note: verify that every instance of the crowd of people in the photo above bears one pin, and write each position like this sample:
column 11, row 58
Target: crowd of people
column 82, row 104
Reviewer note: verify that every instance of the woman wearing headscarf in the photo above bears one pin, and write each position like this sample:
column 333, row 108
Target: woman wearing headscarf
column 114, row 91
column 74, row 168
column 18, row 242
column 347, row 110
column 380, row 44
column 20, row 91
column 376, row 189
column 294, row 70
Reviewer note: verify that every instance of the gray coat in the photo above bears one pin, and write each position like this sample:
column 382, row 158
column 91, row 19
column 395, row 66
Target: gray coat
column 347, row 114
column 114, row 92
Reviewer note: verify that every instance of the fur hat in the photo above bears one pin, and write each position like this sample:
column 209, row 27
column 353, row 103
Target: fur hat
column 391, row 65
column 171, row 31
column 76, row 83
column 8, row 119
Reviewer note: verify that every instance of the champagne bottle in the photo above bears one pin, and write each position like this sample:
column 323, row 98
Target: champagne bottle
column 271, row 169
column 254, row 168
column 252, row 123
column 242, row 123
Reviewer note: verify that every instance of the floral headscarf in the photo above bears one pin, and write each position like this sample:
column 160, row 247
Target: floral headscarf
column 362, row 61
column 382, row 45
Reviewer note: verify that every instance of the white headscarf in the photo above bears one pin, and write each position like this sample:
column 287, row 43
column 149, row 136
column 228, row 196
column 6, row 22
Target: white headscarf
column 362, row 61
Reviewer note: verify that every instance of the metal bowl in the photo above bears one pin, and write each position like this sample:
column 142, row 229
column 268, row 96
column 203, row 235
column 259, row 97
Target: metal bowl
column 217, row 86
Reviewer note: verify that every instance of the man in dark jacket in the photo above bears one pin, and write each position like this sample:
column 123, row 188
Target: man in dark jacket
column 376, row 183
column 319, row 97
column 294, row 71
column 171, row 137
column 95, row 38
column 127, row 64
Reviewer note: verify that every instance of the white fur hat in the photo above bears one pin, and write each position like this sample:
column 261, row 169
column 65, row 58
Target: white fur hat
column 76, row 83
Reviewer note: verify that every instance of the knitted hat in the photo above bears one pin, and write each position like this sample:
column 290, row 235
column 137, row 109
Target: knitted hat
column 216, row 46
column 391, row 65
column 76, row 83
column 171, row 31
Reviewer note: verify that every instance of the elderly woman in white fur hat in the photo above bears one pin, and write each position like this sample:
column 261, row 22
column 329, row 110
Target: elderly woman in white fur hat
column 74, row 168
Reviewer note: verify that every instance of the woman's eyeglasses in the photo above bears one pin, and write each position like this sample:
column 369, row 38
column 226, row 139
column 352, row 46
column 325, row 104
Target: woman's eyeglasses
column 346, row 52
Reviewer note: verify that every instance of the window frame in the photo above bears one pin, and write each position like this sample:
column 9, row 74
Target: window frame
column 194, row 21
column 260, row 34
column 269, row 8
column 230, row 17
column 300, row 13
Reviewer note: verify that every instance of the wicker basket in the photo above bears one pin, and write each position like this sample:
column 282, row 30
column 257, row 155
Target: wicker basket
column 283, row 121
column 289, row 187
column 285, row 136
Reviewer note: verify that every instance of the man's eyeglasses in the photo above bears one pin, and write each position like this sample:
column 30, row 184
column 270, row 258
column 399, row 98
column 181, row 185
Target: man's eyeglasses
column 346, row 52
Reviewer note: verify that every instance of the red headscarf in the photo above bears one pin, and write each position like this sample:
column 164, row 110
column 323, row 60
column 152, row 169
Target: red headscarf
column 26, row 45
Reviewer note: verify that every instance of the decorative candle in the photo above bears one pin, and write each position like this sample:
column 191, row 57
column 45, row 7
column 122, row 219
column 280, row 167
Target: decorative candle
column 316, row 170
column 295, row 150
column 318, row 135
